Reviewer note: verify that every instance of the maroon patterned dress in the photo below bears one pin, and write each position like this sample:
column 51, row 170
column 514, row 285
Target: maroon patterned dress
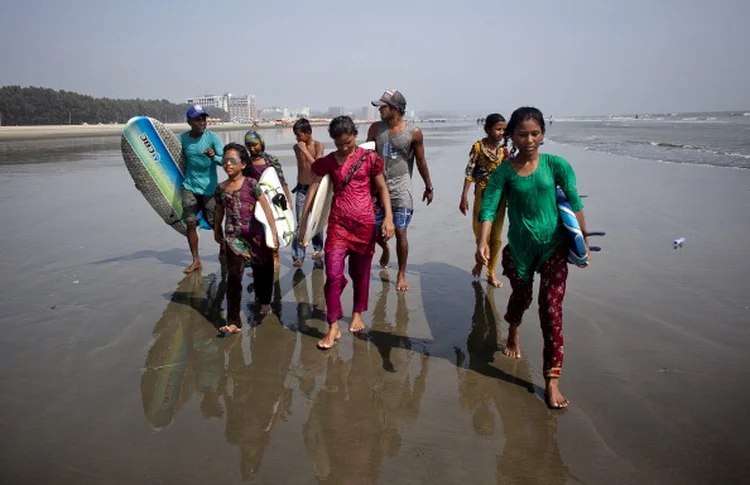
column 243, row 233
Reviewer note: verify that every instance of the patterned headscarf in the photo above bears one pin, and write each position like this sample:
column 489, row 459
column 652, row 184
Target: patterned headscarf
column 253, row 137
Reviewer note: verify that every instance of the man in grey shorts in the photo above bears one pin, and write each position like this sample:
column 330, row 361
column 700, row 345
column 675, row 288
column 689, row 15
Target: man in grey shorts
column 203, row 151
column 400, row 144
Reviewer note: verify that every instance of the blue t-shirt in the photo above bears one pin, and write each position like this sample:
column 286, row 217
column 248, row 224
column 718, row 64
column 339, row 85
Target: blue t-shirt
column 200, row 171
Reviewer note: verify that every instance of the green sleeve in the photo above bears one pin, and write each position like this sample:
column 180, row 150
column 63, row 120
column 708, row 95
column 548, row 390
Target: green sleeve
column 218, row 149
column 565, row 177
column 492, row 195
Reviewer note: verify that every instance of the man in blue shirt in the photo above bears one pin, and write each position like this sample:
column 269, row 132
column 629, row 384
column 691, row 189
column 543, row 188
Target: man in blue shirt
column 203, row 151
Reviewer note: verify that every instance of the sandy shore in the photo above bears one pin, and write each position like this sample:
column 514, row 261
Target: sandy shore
column 112, row 371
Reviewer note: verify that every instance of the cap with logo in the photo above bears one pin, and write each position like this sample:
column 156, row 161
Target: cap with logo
column 391, row 98
column 196, row 111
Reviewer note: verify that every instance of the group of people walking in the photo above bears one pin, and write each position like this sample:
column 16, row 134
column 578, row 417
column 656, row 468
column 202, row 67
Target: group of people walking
column 373, row 202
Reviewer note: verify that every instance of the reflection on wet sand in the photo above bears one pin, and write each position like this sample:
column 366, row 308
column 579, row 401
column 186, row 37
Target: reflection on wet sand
column 359, row 415
column 185, row 355
column 530, row 453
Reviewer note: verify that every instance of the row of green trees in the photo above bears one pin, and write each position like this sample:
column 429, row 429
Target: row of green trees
column 43, row 106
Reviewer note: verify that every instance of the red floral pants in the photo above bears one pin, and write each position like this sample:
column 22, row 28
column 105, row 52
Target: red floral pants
column 554, row 274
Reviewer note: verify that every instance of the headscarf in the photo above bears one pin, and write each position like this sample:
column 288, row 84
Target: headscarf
column 252, row 137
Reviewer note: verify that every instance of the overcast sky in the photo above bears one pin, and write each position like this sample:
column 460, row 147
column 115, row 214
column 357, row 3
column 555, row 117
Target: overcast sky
column 571, row 57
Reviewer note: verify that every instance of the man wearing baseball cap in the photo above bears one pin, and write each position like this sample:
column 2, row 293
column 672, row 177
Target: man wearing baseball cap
column 400, row 144
column 203, row 151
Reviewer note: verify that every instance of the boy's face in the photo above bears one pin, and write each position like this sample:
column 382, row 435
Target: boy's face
column 302, row 137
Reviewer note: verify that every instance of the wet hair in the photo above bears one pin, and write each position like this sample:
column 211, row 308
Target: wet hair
column 522, row 114
column 301, row 126
column 492, row 120
column 244, row 154
column 341, row 125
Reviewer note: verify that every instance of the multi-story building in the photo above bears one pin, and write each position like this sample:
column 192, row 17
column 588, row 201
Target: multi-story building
column 207, row 101
column 241, row 109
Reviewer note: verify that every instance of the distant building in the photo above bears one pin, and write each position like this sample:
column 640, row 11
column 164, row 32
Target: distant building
column 241, row 108
column 334, row 111
column 207, row 101
column 271, row 113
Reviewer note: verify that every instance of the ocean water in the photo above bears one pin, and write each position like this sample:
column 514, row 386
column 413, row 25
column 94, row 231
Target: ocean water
column 719, row 139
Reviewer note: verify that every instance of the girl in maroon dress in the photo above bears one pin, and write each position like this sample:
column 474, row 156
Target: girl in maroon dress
column 242, row 236
column 354, row 173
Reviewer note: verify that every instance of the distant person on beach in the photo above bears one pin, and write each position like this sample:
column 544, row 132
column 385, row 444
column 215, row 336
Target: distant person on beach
column 202, row 149
column 485, row 156
column 536, row 238
column 354, row 172
column 243, row 236
column 260, row 160
column 399, row 143
column 307, row 151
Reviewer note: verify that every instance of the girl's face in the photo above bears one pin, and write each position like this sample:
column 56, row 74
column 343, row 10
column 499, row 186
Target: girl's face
column 254, row 148
column 346, row 143
column 527, row 137
column 497, row 131
column 232, row 163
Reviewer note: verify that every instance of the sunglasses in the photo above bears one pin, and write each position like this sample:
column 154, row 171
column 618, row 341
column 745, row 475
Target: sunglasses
column 232, row 160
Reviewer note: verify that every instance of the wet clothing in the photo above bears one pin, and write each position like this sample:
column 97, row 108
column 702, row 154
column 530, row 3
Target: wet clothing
column 193, row 204
column 554, row 275
column 200, row 170
column 351, row 227
column 351, row 223
column 298, row 252
column 483, row 162
column 536, row 229
column 398, row 156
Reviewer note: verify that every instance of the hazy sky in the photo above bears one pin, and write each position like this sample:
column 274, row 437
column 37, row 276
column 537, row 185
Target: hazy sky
column 566, row 57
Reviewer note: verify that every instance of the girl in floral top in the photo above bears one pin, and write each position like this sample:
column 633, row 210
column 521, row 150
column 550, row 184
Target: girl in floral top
column 485, row 156
column 242, row 236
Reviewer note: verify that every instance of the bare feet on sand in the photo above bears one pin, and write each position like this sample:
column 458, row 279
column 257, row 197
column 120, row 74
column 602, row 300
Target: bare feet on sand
column 193, row 267
column 357, row 324
column 401, row 284
column 317, row 255
column 385, row 258
column 476, row 271
column 492, row 279
column 513, row 346
column 555, row 400
column 231, row 328
column 331, row 337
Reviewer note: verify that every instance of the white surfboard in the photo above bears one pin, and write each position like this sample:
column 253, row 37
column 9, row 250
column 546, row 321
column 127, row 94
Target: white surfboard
column 317, row 219
column 281, row 208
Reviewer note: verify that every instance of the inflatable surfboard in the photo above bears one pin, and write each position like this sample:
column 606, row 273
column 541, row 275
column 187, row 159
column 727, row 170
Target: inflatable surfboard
column 576, row 244
column 317, row 219
column 281, row 208
column 153, row 157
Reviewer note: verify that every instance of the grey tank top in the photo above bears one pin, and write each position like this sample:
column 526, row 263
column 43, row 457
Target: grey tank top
column 398, row 163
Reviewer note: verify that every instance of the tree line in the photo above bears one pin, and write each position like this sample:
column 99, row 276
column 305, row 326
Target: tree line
column 44, row 106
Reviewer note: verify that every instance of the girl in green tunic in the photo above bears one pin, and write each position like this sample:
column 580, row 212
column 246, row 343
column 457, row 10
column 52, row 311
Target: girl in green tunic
column 536, row 238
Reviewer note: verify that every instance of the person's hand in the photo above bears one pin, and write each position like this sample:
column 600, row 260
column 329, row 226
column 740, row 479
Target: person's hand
column 428, row 194
column 482, row 255
column 463, row 206
column 218, row 237
column 588, row 257
column 301, row 238
column 387, row 229
column 302, row 146
column 209, row 152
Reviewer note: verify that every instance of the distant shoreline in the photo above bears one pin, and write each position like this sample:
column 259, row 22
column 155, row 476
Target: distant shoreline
column 43, row 132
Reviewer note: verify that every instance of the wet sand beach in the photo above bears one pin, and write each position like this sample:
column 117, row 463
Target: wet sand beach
column 112, row 371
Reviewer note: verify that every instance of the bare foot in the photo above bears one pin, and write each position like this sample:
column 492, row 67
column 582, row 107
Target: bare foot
column 265, row 309
column 297, row 263
column 476, row 271
column 401, row 284
column 385, row 258
column 317, row 255
column 231, row 328
column 193, row 267
column 357, row 324
column 555, row 400
column 331, row 337
column 512, row 346
column 492, row 279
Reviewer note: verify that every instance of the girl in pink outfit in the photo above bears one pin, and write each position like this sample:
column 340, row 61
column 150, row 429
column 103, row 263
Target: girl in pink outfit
column 354, row 173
